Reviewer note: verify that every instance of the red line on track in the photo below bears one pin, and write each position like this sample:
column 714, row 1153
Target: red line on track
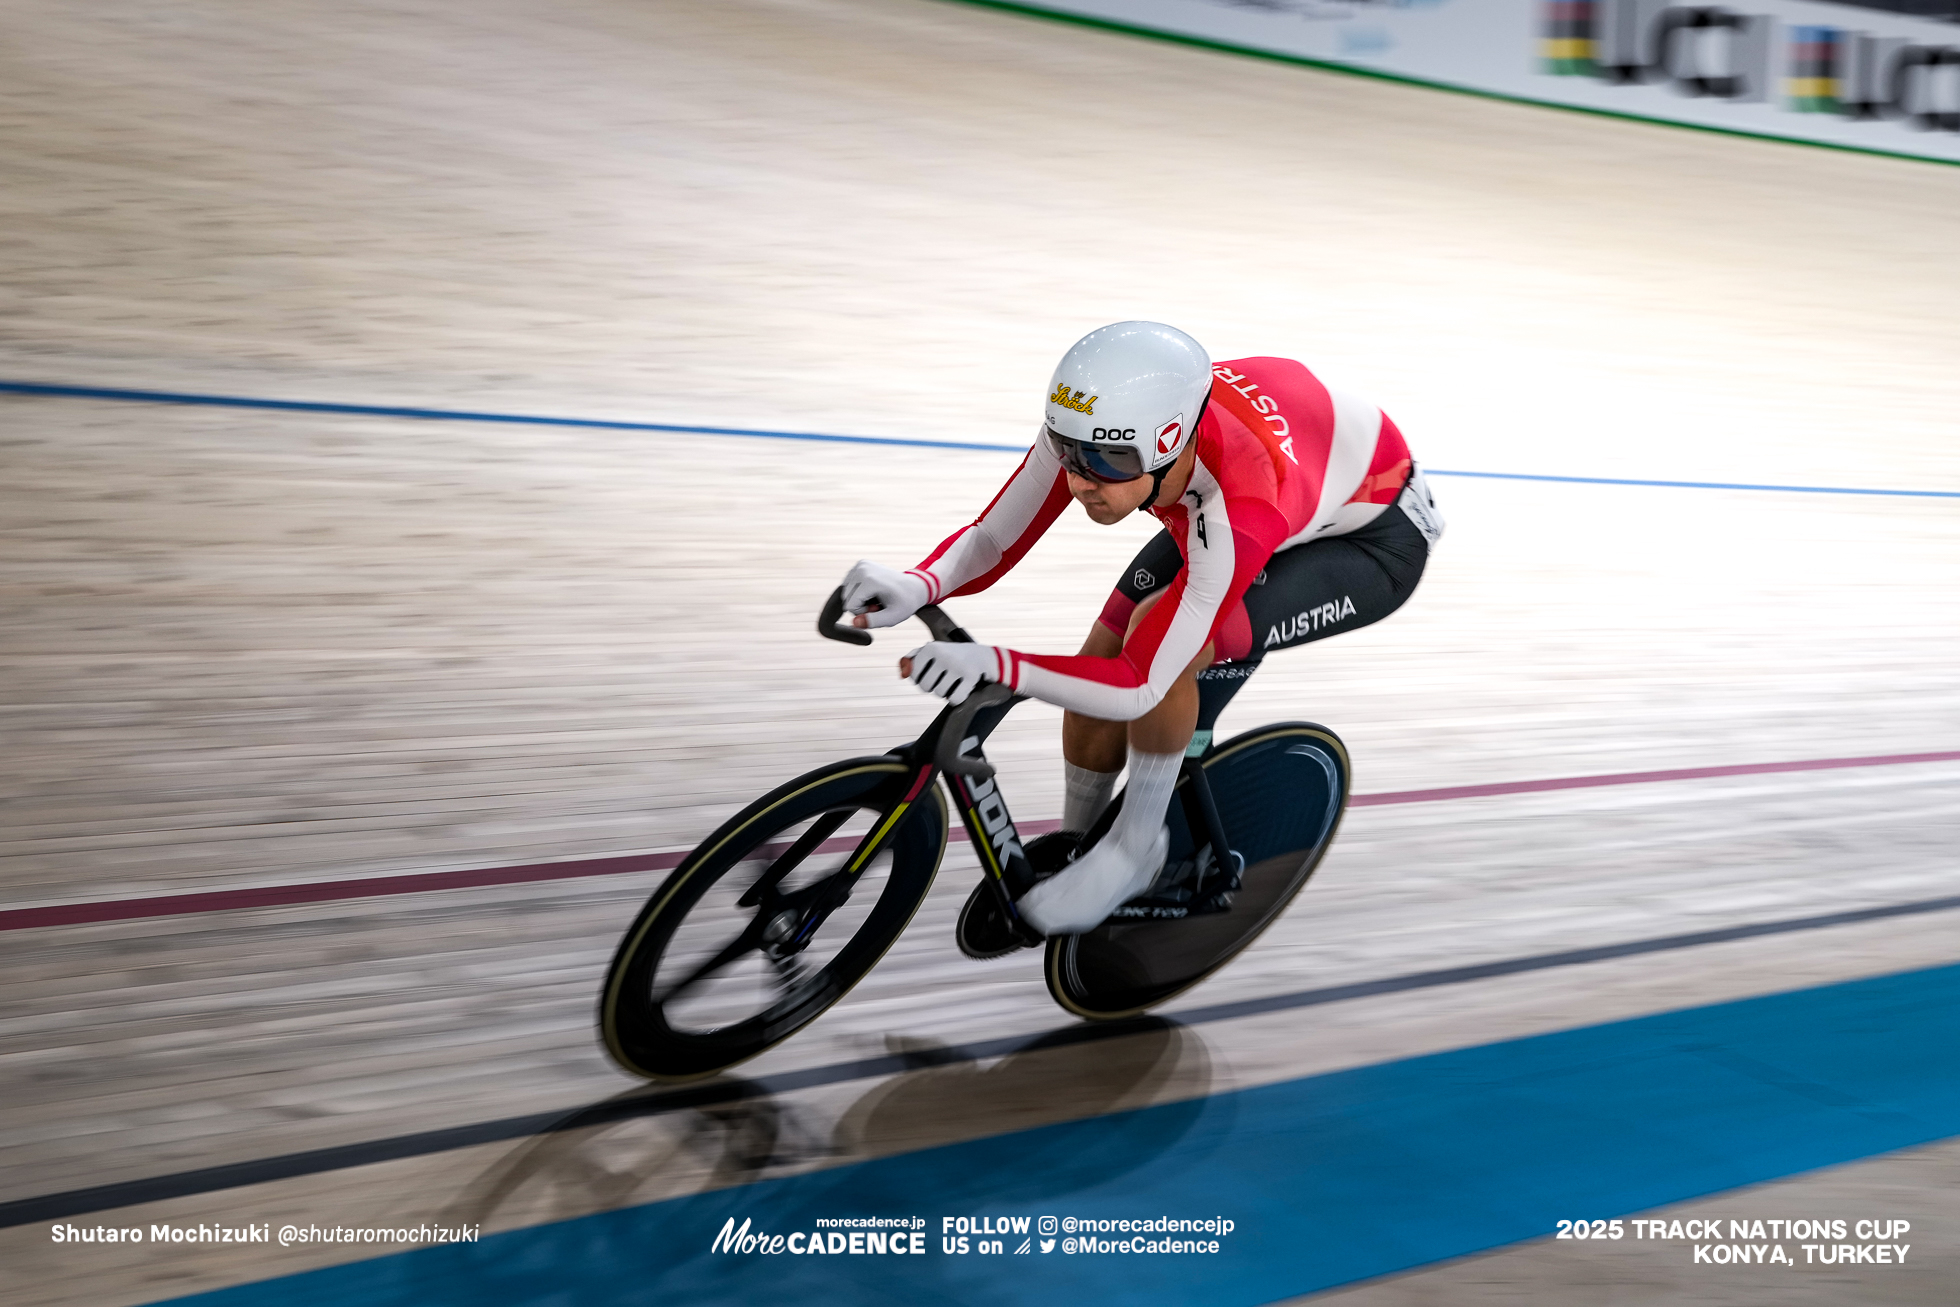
column 1643, row 777
column 273, row 896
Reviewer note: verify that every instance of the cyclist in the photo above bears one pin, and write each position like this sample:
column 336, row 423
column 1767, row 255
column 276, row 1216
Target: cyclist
column 1291, row 512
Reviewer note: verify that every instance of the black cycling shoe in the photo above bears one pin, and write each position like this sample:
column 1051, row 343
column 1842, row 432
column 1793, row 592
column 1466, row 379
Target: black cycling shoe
column 1194, row 887
column 983, row 930
column 1048, row 854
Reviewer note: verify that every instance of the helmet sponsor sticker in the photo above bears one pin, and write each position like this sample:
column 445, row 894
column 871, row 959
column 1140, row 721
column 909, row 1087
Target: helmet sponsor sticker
column 1073, row 399
column 1168, row 434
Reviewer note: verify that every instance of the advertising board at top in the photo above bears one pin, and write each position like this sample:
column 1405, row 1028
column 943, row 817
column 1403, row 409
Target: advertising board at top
column 1837, row 74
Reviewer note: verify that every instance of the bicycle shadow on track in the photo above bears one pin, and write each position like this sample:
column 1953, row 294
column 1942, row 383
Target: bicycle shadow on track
column 635, row 1148
column 1078, row 1074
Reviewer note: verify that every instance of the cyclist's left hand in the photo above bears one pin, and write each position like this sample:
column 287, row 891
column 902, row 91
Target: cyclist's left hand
column 878, row 596
column 951, row 671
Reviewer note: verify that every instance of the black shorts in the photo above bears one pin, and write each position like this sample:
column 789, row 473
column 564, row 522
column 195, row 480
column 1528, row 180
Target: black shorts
column 1306, row 593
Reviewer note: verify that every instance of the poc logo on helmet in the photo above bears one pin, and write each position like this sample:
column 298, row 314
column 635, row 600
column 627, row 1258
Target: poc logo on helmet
column 1114, row 433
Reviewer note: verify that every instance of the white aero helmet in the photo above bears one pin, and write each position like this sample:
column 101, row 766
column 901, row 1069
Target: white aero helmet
column 1125, row 399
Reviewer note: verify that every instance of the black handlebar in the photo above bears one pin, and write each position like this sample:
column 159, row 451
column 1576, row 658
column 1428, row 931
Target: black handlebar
column 828, row 627
column 937, row 622
column 941, row 626
column 947, row 757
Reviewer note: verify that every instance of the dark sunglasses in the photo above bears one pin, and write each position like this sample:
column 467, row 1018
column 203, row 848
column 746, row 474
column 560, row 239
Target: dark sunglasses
column 1106, row 463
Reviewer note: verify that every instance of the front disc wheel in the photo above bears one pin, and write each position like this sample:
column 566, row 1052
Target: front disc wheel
column 772, row 919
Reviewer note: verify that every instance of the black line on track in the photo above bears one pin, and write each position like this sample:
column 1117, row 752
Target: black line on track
column 185, row 1184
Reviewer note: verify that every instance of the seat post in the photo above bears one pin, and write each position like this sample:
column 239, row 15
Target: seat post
column 1216, row 686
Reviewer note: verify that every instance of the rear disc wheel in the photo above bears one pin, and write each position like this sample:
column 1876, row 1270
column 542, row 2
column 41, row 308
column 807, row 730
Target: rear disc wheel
column 1280, row 792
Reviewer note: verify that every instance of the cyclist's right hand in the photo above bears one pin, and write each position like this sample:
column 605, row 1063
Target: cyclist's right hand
column 881, row 597
column 952, row 671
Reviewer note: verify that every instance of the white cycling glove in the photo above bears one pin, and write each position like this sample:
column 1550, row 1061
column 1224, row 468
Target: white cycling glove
column 897, row 594
column 953, row 671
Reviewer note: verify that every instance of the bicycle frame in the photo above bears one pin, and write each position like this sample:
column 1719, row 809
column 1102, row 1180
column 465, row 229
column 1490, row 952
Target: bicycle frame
column 951, row 746
column 978, row 798
column 1108, row 973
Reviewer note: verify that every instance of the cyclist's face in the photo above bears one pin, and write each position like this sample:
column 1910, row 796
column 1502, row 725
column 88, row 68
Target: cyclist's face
column 1107, row 502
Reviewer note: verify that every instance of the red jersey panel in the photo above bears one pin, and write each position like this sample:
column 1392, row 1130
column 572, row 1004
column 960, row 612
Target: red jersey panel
column 1281, row 460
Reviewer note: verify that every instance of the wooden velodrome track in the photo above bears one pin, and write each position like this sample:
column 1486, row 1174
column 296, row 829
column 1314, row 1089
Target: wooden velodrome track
column 245, row 648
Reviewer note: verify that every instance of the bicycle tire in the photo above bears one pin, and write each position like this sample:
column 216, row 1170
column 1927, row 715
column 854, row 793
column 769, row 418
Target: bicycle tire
column 640, row 1031
column 1281, row 790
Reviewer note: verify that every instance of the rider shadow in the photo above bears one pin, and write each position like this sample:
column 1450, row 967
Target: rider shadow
column 1087, row 1084
column 637, row 1148
column 954, row 1130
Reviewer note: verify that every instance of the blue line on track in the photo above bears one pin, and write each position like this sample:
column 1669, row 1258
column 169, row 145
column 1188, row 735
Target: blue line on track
column 600, row 424
column 465, row 415
column 1330, row 1179
column 1697, row 485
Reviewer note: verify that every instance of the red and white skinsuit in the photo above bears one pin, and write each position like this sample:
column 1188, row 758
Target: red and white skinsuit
column 1281, row 460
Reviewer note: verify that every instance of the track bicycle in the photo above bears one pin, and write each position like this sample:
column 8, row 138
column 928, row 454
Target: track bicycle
column 785, row 907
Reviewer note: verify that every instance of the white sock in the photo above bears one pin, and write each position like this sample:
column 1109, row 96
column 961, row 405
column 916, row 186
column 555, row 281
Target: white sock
column 1120, row 867
column 1085, row 794
column 1152, row 776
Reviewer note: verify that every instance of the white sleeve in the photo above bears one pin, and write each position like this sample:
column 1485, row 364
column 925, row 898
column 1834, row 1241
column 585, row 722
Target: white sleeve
column 1129, row 685
column 1005, row 530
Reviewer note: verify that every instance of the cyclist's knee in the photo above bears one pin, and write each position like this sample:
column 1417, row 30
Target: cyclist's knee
column 1137, row 614
column 1206, row 656
column 1102, row 642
